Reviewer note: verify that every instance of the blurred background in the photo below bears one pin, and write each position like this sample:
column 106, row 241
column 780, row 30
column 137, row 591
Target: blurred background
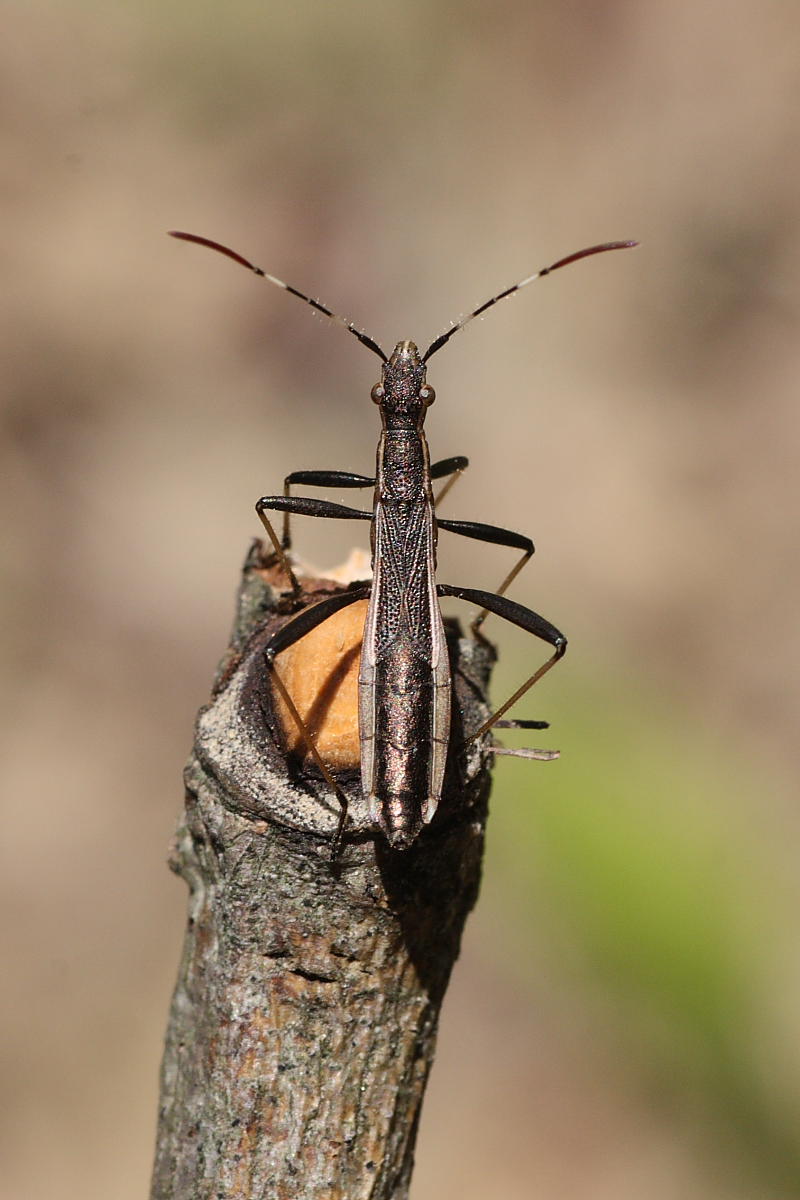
column 625, row 1017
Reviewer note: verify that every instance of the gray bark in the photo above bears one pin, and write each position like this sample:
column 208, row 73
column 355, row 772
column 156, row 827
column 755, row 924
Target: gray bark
column 303, row 1024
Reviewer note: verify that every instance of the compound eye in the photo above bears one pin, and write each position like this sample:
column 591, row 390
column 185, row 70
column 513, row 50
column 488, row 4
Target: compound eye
column 426, row 394
column 377, row 394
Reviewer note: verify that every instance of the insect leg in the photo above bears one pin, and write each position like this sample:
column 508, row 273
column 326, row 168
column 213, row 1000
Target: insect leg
column 526, row 752
column 526, row 619
column 304, row 506
column 454, row 467
column 503, row 724
column 499, row 537
column 523, row 751
column 338, row 479
column 286, row 636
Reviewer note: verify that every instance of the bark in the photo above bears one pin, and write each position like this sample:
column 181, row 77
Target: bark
column 303, row 1024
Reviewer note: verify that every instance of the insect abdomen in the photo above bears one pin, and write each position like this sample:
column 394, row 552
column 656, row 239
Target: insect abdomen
column 407, row 778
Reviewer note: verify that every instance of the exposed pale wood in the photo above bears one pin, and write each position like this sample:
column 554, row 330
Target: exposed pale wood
column 321, row 674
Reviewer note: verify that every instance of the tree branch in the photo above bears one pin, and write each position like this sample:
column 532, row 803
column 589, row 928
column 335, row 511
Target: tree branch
column 303, row 1024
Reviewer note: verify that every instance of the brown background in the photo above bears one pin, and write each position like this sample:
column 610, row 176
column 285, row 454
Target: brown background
column 624, row 1019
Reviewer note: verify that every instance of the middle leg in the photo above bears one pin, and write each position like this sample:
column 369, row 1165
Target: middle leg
column 302, row 506
column 526, row 619
column 498, row 537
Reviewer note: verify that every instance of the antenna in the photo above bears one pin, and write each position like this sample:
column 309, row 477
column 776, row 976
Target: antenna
column 348, row 325
column 562, row 262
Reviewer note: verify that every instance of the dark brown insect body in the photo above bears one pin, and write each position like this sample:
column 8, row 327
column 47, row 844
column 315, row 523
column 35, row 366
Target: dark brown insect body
column 404, row 680
column 404, row 677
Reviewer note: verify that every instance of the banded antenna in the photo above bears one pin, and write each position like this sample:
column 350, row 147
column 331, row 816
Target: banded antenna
column 326, row 312
column 367, row 341
column 562, row 262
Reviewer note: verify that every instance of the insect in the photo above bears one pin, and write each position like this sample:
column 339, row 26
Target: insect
column 404, row 683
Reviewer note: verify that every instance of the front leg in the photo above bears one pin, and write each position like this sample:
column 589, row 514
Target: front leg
column 334, row 479
column 454, row 467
